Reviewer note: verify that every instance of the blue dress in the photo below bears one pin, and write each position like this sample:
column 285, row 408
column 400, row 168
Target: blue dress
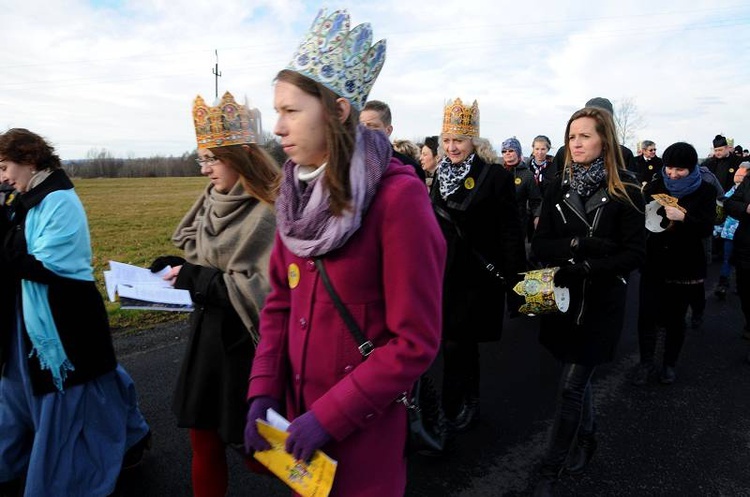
column 68, row 443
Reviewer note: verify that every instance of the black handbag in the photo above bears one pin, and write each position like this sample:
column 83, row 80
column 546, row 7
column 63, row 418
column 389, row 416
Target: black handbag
column 426, row 420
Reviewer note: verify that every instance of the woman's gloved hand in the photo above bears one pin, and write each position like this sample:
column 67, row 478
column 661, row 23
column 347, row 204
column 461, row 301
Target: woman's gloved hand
column 568, row 276
column 306, row 436
column 164, row 261
column 258, row 408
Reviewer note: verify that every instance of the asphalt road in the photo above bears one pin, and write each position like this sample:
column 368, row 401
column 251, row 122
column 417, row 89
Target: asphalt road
column 688, row 439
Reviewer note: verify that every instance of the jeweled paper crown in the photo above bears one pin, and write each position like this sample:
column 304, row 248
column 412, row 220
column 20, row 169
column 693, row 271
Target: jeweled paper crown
column 343, row 61
column 226, row 123
column 459, row 119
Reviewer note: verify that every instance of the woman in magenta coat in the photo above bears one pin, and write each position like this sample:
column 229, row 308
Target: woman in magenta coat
column 344, row 199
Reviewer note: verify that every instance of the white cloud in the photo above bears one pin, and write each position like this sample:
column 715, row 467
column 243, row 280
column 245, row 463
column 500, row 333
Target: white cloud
column 121, row 75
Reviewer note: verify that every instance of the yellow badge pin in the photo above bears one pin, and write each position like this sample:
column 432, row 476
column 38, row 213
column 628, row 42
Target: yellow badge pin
column 469, row 183
column 293, row 274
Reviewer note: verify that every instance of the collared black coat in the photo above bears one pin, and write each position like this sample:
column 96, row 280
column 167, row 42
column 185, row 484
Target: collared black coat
column 724, row 169
column 77, row 306
column 589, row 331
column 485, row 210
column 645, row 169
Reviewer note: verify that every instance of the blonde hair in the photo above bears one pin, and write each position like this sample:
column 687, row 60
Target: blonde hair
column 406, row 147
column 485, row 150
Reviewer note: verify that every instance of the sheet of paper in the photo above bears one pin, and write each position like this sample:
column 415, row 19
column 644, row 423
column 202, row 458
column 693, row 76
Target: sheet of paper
column 276, row 420
column 139, row 288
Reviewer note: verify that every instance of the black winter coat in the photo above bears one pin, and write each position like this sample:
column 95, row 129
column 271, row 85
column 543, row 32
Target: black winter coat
column 645, row 170
column 589, row 331
column 736, row 207
column 77, row 306
column 677, row 253
column 724, row 169
column 485, row 210
column 217, row 337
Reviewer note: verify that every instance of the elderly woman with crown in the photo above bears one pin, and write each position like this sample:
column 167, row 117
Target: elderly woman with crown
column 226, row 237
column 476, row 207
column 356, row 237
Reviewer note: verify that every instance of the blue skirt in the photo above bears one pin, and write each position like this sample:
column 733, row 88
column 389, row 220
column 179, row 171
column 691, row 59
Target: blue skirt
column 68, row 443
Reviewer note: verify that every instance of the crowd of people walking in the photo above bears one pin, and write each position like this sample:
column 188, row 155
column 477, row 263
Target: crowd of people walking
column 325, row 288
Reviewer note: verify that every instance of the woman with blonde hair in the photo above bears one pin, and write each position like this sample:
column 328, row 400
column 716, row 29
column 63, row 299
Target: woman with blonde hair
column 226, row 237
column 593, row 216
column 476, row 206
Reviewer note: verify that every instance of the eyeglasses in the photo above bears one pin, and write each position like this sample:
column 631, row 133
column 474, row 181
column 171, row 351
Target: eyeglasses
column 507, row 151
column 206, row 161
column 650, row 150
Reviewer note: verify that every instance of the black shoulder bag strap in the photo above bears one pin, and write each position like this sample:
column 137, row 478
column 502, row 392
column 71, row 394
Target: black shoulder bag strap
column 365, row 346
column 489, row 266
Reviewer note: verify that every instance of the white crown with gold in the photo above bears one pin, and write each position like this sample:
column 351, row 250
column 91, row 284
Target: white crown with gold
column 343, row 61
column 460, row 119
column 226, row 123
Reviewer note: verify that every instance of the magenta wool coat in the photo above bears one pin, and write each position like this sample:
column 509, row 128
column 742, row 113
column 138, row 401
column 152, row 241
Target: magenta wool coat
column 389, row 276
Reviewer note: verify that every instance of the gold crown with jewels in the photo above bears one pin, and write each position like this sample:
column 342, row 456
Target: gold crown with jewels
column 226, row 123
column 460, row 119
column 343, row 61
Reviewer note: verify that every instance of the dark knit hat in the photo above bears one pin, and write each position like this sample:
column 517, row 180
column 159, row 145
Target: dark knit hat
column 738, row 150
column 601, row 103
column 720, row 141
column 680, row 154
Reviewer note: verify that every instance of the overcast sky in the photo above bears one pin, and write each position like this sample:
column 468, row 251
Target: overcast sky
column 121, row 75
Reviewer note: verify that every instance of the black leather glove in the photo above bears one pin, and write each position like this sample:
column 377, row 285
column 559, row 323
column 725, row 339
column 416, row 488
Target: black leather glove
column 593, row 246
column 568, row 276
column 164, row 261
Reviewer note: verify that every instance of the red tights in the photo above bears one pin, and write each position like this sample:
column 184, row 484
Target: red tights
column 210, row 471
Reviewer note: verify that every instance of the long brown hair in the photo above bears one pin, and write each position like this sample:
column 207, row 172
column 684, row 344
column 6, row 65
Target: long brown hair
column 613, row 160
column 340, row 138
column 260, row 175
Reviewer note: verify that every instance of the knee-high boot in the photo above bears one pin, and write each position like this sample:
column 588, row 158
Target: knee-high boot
column 563, row 436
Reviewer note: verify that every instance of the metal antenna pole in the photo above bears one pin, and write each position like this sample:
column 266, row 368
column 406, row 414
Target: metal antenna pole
column 216, row 74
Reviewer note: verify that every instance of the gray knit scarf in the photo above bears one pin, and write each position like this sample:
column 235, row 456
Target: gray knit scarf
column 305, row 223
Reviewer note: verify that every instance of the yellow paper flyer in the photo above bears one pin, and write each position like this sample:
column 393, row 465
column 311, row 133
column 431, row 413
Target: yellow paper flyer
column 309, row 480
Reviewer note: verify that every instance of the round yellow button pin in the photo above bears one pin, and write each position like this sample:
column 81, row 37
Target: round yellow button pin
column 469, row 183
column 293, row 275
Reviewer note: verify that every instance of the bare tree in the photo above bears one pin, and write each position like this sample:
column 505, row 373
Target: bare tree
column 628, row 120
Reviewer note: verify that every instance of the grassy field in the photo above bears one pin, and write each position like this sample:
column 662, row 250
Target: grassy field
column 132, row 221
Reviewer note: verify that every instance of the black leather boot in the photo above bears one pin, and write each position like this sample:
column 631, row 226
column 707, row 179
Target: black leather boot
column 582, row 453
column 468, row 417
column 563, row 436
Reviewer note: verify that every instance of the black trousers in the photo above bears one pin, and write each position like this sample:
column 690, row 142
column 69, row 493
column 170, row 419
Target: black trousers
column 575, row 412
column 665, row 304
column 460, row 375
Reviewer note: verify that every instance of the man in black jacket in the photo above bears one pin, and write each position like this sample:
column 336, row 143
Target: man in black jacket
column 377, row 115
column 723, row 163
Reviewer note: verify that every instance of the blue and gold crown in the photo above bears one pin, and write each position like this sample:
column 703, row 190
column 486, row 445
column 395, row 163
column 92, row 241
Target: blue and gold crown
column 226, row 123
column 460, row 119
column 343, row 61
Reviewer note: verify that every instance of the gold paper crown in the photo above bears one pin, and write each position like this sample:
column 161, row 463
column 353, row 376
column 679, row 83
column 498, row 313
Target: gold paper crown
column 227, row 123
column 459, row 119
